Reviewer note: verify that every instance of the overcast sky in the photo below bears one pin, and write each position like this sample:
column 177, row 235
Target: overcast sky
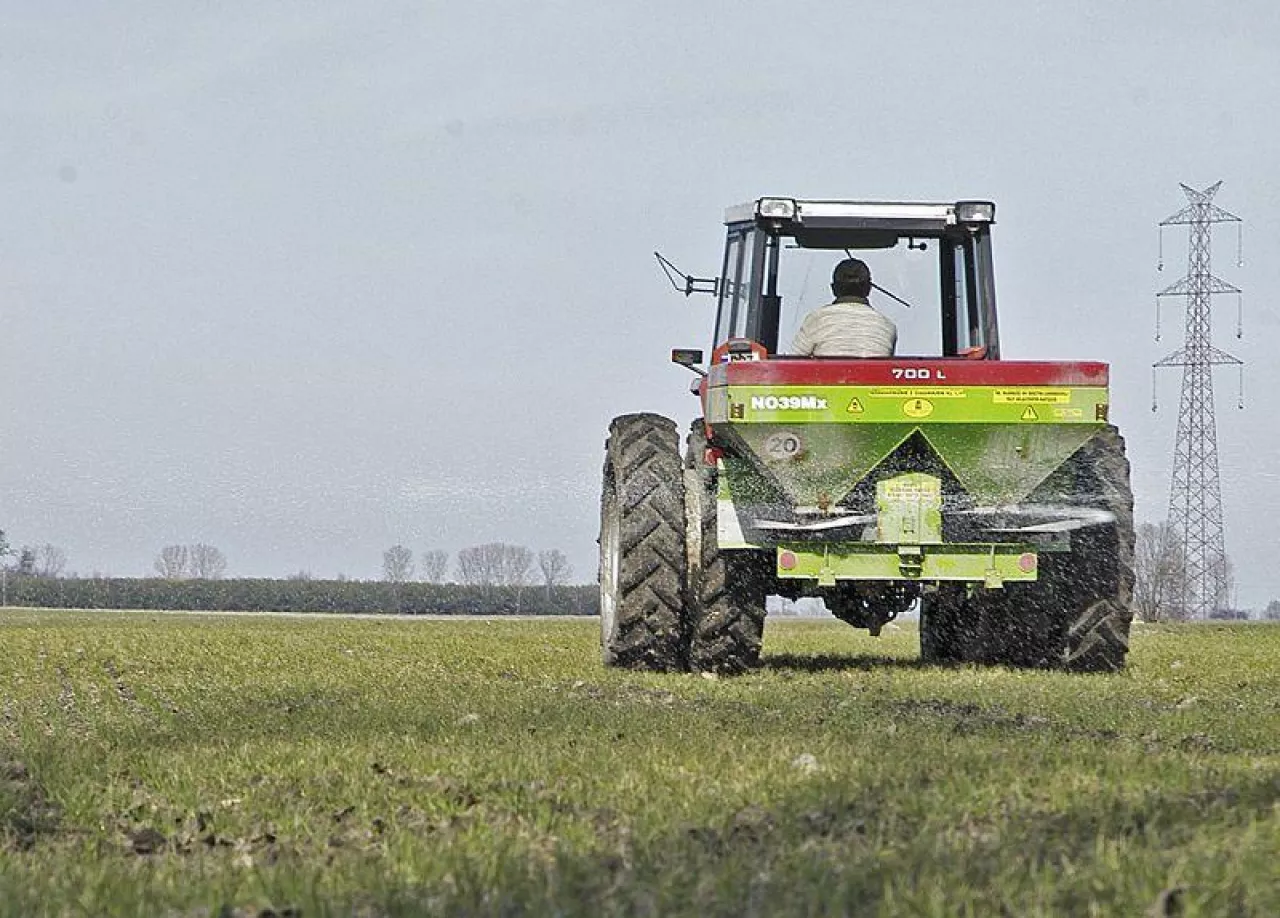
column 305, row 280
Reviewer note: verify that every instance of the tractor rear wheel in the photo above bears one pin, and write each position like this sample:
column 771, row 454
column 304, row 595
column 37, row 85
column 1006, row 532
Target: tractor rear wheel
column 1076, row 615
column 1091, row 588
column 642, row 545
column 727, row 588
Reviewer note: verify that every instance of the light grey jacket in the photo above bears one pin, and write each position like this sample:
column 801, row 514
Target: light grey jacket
column 846, row 328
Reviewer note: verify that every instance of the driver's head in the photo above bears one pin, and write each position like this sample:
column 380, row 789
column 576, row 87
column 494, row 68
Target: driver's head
column 851, row 277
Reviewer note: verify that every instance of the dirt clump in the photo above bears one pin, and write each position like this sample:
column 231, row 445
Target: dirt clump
column 26, row 814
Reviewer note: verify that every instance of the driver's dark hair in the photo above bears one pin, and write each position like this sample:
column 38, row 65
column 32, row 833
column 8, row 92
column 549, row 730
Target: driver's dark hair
column 851, row 277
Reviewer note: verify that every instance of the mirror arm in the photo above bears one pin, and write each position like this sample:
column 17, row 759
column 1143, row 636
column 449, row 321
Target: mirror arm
column 689, row 358
column 692, row 284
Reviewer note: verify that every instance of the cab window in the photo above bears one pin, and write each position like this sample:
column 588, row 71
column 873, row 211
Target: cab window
column 735, row 287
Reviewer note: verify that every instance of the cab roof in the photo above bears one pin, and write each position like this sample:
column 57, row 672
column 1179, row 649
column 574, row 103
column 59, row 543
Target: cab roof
column 926, row 217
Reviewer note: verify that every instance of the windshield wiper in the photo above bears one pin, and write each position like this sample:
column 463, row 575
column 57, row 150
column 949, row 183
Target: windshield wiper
column 892, row 296
column 875, row 286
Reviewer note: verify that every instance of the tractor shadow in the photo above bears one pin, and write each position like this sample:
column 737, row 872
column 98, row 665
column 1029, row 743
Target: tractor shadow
column 838, row 662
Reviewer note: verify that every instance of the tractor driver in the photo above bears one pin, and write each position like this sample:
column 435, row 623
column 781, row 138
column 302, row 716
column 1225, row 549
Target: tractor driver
column 849, row 326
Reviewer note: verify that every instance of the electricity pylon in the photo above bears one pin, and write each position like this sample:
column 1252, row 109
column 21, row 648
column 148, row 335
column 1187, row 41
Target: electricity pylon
column 1195, row 492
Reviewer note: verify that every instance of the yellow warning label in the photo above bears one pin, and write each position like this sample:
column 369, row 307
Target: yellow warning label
column 915, row 392
column 1030, row 414
column 1038, row 396
column 917, row 408
column 856, row 406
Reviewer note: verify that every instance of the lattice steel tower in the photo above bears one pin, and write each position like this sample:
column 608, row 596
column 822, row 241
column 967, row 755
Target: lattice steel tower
column 1195, row 493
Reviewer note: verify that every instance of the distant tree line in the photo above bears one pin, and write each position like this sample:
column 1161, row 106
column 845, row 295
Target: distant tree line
column 294, row 595
column 495, row 578
column 499, row 571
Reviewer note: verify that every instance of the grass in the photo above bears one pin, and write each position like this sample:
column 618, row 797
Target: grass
column 184, row 765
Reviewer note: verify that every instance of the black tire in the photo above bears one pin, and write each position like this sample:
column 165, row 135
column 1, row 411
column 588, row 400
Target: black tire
column 727, row 589
column 1076, row 615
column 642, row 545
column 1093, row 585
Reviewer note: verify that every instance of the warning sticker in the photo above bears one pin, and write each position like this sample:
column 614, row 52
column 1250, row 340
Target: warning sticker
column 909, row 488
column 855, row 406
column 916, row 392
column 1030, row 414
column 1036, row 396
column 917, row 408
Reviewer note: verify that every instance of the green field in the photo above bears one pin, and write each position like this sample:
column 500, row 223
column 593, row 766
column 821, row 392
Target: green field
column 184, row 765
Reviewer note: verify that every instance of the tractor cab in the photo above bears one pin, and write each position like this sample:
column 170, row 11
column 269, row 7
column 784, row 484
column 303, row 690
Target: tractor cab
column 930, row 264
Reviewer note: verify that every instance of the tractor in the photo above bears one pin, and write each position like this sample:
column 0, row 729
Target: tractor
column 990, row 495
